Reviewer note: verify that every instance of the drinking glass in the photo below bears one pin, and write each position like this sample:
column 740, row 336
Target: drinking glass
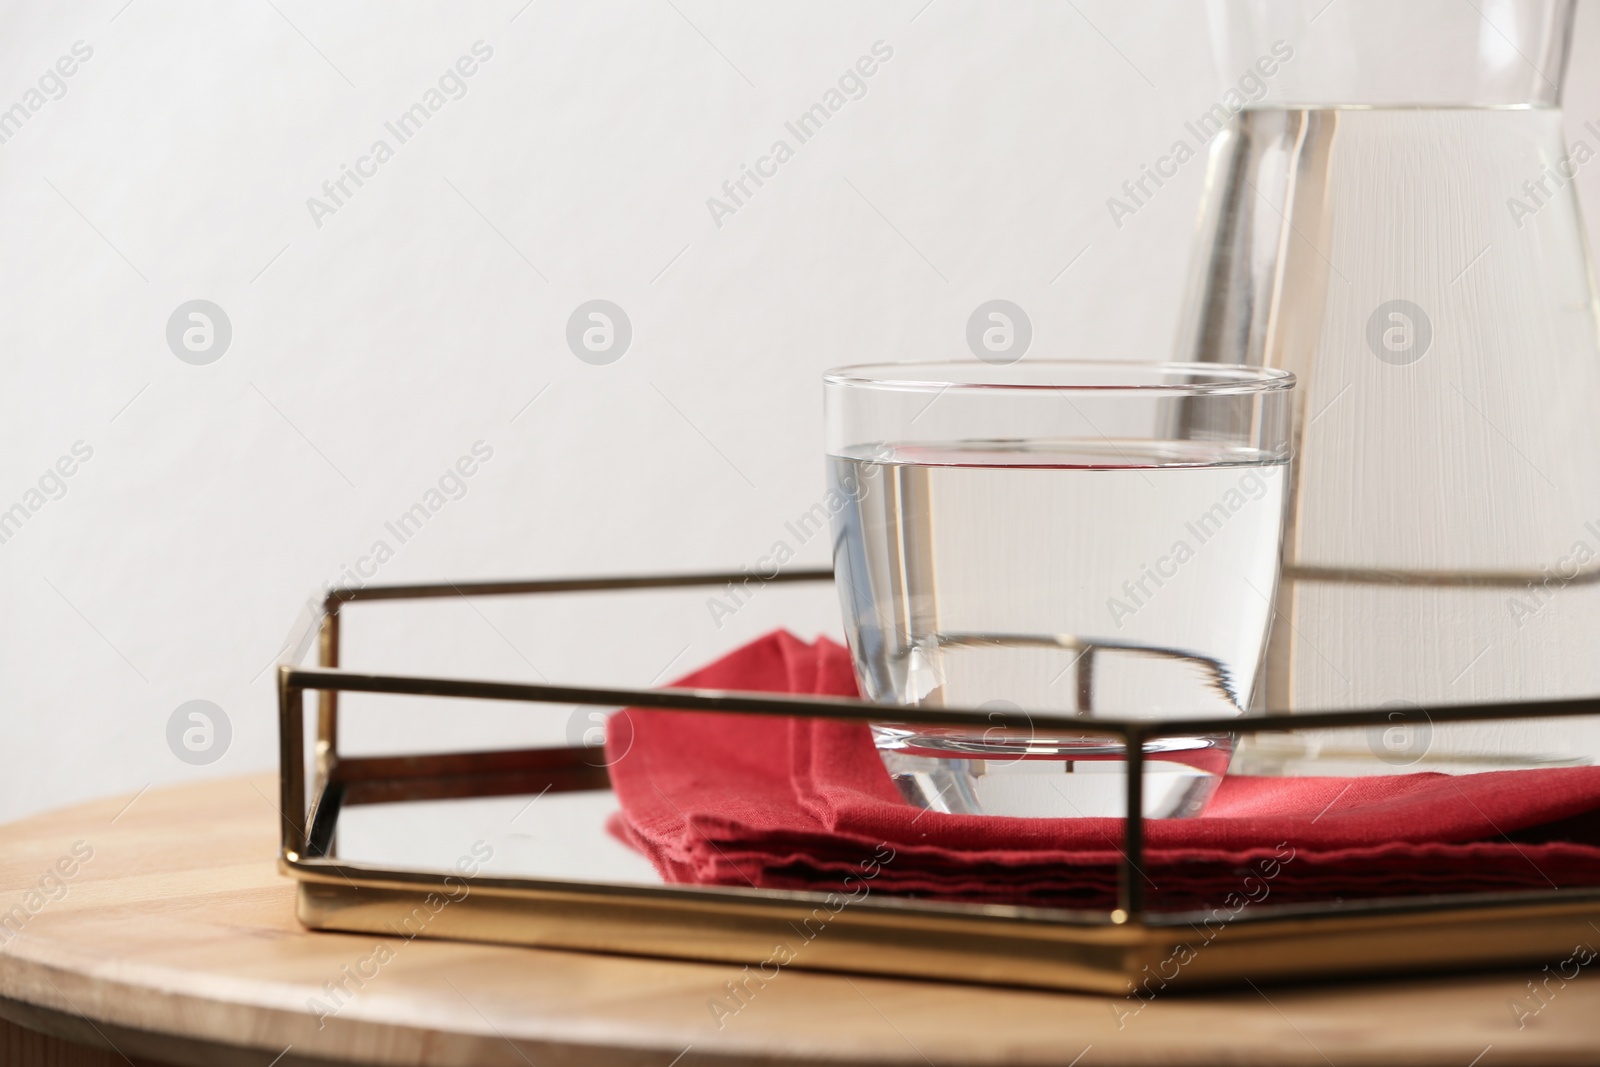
column 1093, row 538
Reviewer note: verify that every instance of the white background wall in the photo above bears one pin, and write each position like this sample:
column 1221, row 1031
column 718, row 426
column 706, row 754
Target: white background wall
column 427, row 312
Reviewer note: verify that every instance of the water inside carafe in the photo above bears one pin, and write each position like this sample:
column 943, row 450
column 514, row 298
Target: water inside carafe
column 1424, row 273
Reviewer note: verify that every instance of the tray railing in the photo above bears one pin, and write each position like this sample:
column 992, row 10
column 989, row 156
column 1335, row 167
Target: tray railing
column 310, row 808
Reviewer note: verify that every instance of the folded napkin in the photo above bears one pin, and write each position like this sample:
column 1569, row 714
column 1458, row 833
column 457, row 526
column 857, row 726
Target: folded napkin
column 781, row 803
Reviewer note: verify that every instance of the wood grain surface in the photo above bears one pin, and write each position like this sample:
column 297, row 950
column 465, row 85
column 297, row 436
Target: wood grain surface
column 157, row 928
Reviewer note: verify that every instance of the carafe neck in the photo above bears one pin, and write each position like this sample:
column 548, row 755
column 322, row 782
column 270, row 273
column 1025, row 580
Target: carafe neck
column 1383, row 53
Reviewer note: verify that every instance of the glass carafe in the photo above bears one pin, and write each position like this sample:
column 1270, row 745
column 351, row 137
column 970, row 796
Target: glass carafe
column 1389, row 214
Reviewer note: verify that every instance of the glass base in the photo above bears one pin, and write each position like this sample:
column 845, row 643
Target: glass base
column 995, row 773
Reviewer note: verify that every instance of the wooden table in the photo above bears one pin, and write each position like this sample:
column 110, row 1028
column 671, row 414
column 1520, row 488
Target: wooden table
column 175, row 942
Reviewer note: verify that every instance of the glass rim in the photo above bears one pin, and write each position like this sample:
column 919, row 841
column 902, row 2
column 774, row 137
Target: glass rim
column 1130, row 377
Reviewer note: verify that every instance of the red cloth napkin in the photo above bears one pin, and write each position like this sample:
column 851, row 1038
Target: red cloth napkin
column 748, row 800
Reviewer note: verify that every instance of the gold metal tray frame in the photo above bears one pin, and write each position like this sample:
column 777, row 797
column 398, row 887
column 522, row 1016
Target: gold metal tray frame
column 1129, row 948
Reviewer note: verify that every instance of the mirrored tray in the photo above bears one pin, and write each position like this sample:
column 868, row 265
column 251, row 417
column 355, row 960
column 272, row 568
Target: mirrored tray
column 510, row 846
